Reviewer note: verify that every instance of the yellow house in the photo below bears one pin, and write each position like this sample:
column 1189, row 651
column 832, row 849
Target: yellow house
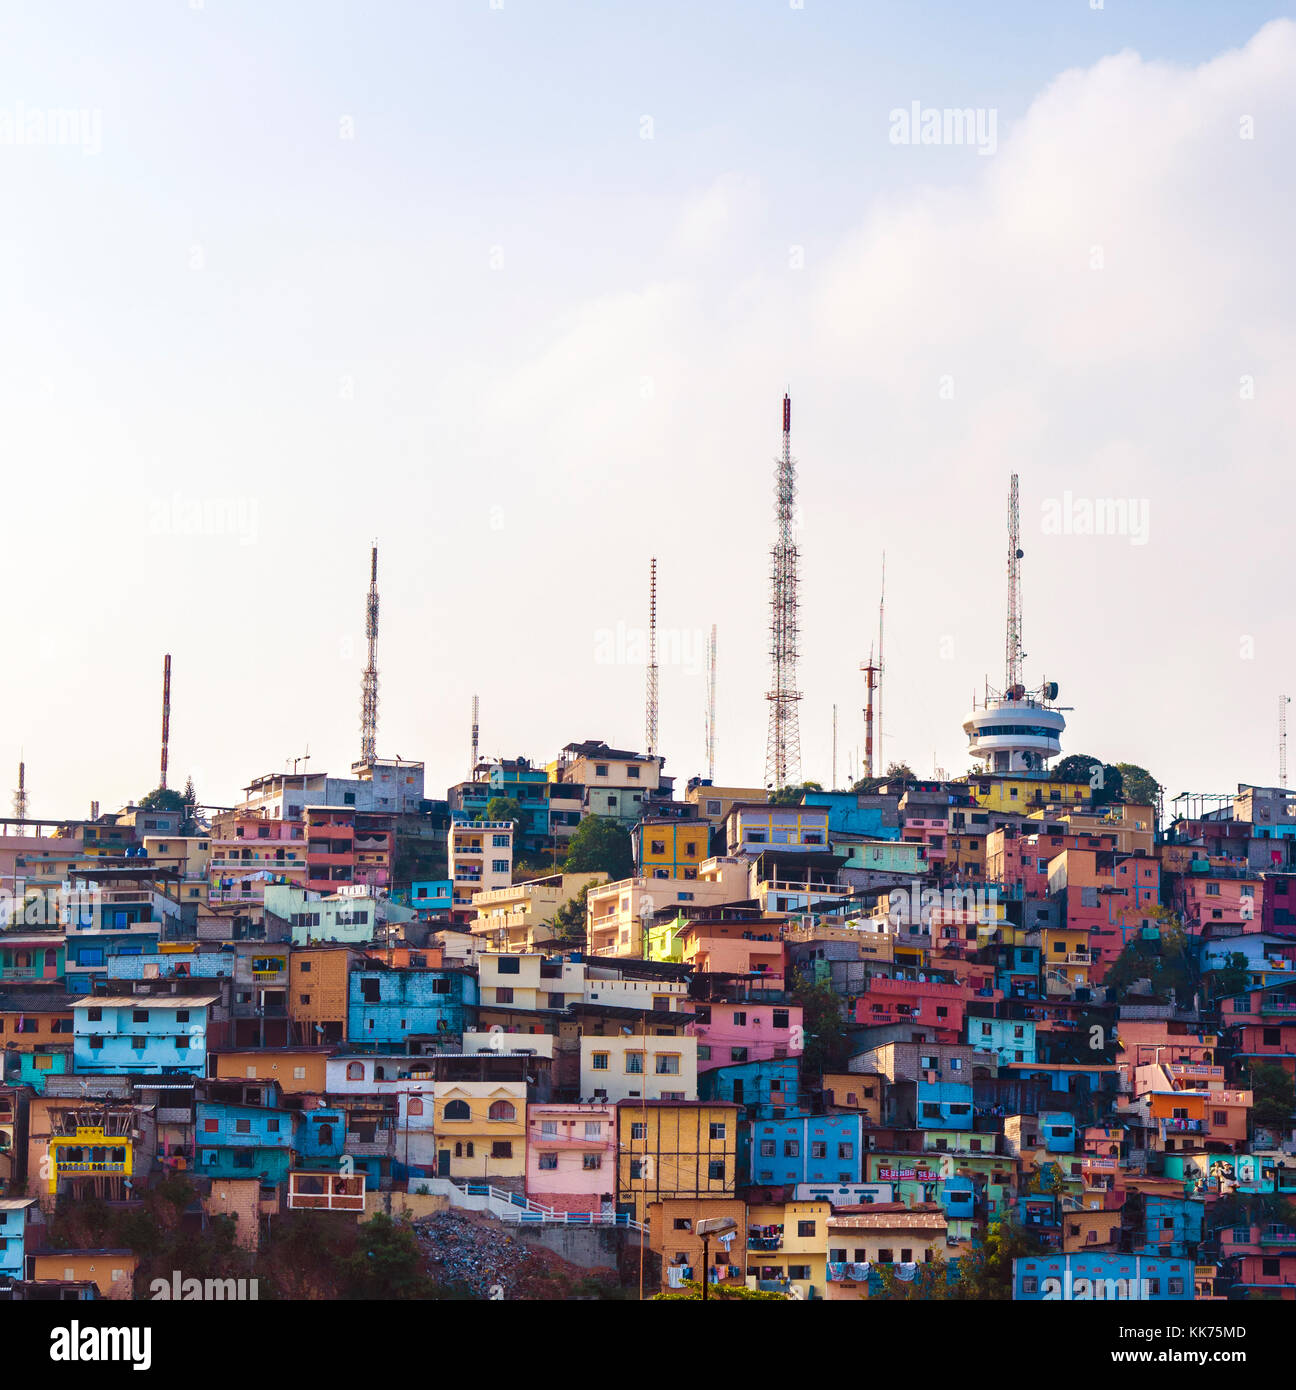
column 1064, row 955
column 671, row 848
column 189, row 856
column 715, row 803
column 1026, row 795
column 298, row 1070
column 480, row 1129
column 673, row 1149
column 788, row 1242
column 88, row 1152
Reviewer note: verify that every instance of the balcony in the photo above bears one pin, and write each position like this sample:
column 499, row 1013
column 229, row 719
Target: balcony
column 1278, row 1236
column 764, row 1242
column 1277, row 1005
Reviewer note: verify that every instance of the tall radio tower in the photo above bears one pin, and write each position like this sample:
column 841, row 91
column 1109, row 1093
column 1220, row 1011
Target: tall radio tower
column 871, row 672
column 472, row 767
column 711, row 708
column 1013, row 651
column 650, row 698
column 1283, row 702
column 369, row 681
column 783, row 746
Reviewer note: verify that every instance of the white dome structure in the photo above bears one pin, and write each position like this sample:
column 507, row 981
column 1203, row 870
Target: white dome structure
column 1018, row 734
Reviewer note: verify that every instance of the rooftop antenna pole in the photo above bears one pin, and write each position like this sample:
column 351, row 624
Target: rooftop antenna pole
column 166, row 715
column 834, row 757
column 783, row 744
column 871, row 674
column 1282, row 738
column 20, row 796
column 369, row 681
column 1013, row 651
column 711, row 708
column 881, row 666
column 472, row 768
column 650, row 701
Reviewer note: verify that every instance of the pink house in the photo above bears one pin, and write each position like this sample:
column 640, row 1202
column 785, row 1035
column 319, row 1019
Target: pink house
column 572, row 1156
column 732, row 1033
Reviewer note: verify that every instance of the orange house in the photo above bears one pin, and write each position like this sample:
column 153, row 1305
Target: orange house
column 297, row 1069
column 112, row 1272
column 32, row 1020
column 317, row 993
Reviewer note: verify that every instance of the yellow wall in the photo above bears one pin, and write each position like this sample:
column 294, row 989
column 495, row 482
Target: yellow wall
column 674, row 1151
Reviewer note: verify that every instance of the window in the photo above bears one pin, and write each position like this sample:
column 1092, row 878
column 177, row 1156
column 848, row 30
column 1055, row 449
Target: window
column 502, row 1148
column 94, row 1015
column 717, row 1130
column 243, row 1126
column 716, row 1170
column 818, row 1150
column 806, row 1228
column 457, row 1110
column 415, row 1106
column 499, row 866
column 304, row 966
column 593, row 1129
column 885, row 1256
column 668, row 1064
column 634, row 1063
column 1030, row 1284
column 299, row 1073
column 599, row 1061
column 548, row 1162
column 508, row 965
column 502, row 1110
column 739, row 1019
column 791, row 1148
column 846, row 1150
column 639, row 1130
column 503, row 994
column 591, row 1162
column 500, row 841
column 355, row 1071
column 767, row 1148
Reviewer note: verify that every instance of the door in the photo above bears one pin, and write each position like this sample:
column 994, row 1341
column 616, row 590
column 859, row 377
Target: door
column 443, row 1163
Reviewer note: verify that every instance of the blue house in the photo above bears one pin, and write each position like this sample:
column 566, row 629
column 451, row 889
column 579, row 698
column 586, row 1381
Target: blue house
column 1172, row 1225
column 34, row 1068
column 1102, row 1276
column 429, row 895
column 1057, row 1130
column 13, row 1229
column 320, row 1138
column 846, row 817
column 941, row 1104
column 244, row 1141
column 148, row 1034
column 386, row 1007
column 816, row 1148
column 196, row 965
column 1010, row 1039
column 769, row 1089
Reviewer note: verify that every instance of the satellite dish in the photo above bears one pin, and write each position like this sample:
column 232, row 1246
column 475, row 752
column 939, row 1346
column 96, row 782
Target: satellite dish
column 1020, row 553
column 1051, row 690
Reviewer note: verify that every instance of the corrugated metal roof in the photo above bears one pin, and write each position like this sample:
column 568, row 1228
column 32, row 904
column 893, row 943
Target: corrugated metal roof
column 145, row 1001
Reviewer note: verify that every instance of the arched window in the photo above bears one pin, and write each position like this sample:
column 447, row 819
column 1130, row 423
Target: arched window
column 325, row 1134
column 457, row 1110
column 459, row 1150
column 355, row 1071
column 502, row 1110
column 415, row 1106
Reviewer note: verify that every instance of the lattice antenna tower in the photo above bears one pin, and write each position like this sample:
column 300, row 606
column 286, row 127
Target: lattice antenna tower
column 783, row 744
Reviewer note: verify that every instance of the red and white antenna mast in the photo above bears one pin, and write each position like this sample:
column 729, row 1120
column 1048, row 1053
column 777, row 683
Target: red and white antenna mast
column 650, row 700
column 369, row 681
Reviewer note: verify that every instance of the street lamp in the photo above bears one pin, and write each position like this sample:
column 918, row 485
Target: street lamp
column 706, row 1228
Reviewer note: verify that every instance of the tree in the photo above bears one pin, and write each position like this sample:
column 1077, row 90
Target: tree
column 826, row 1043
column 1139, row 786
column 189, row 825
column 386, row 1262
column 896, row 772
column 1232, row 977
column 502, row 808
column 1165, row 960
column 986, row 1273
column 929, row 1284
column 1104, row 779
column 1274, row 1097
column 600, row 844
column 569, row 920
column 791, row 796
column 162, row 799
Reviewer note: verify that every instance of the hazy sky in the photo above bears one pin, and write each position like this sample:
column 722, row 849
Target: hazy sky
column 517, row 290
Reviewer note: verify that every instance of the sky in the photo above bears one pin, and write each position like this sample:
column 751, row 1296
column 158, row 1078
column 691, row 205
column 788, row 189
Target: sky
column 514, row 290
